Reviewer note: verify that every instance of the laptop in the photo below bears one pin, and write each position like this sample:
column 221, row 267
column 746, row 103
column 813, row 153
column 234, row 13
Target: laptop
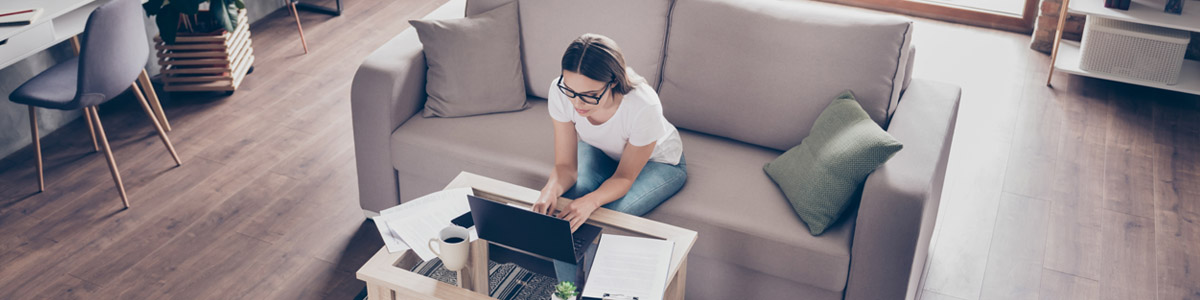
column 530, row 231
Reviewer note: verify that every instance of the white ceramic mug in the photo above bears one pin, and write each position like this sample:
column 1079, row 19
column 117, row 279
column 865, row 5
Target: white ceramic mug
column 453, row 255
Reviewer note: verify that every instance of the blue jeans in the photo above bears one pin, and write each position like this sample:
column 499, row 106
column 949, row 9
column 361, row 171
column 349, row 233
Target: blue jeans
column 656, row 183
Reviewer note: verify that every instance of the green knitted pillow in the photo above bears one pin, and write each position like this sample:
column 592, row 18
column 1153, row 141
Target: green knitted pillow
column 820, row 175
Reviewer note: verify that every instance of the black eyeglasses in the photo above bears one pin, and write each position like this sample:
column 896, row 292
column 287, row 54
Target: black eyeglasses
column 589, row 99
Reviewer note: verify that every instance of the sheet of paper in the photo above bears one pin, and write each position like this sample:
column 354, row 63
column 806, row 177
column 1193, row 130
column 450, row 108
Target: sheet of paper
column 417, row 221
column 628, row 267
column 391, row 238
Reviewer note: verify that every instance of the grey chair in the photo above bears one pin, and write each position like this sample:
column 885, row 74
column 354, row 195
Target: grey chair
column 112, row 55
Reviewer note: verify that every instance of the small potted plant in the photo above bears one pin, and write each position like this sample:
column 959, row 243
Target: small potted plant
column 565, row 291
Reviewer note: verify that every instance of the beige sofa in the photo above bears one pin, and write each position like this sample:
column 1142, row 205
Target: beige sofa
column 743, row 81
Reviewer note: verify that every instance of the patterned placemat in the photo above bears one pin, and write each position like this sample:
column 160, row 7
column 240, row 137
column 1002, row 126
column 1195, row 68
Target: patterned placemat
column 505, row 281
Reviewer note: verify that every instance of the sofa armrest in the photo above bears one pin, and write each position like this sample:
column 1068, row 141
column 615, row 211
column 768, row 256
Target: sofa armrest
column 900, row 199
column 387, row 90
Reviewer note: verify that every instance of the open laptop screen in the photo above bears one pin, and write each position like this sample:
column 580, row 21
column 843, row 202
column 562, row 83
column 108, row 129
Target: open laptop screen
column 522, row 229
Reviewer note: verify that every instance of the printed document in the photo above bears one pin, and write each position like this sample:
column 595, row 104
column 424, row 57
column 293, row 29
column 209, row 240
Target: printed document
column 412, row 224
column 628, row 267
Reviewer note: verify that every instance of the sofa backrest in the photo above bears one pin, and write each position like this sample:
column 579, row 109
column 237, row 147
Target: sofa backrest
column 762, row 71
column 548, row 26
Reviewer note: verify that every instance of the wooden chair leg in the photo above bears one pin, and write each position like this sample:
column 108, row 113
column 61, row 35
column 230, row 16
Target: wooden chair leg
column 112, row 164
column 152, row 97
column 75, row 44
column 91, row 129
column 37, row 148
column 161, row 134
column 292, row 6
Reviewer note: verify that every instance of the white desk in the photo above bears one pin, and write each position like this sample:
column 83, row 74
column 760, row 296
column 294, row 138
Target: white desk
column 60, row 20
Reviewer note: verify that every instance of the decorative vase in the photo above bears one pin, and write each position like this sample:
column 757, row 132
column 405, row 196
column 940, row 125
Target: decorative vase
column 555, row 297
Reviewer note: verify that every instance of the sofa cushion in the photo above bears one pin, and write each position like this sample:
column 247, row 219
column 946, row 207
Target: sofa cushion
column 743, row 219
column 548, row 26
column 819, row 176
column 761, row 71
column 517, row 147
column 464, row 81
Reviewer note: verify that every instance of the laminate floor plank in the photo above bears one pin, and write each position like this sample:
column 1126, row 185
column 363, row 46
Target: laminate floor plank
column 1073, row 235
column 68, row 287
column 1177, row 225
column 1062, row 286
column 1129, row 272
column 1129, row 161
column 1015, row 260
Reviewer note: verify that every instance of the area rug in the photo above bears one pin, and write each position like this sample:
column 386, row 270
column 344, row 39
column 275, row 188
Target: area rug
column 505, row 281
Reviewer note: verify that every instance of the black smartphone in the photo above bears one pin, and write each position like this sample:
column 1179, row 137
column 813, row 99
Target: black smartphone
column 464, row 220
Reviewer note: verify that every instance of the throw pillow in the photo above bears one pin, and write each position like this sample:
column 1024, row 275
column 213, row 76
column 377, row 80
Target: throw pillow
column 474, row 63
column 820, row 176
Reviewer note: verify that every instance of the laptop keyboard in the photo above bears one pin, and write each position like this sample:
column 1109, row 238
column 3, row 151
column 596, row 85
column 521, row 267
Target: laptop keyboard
column 580, row 245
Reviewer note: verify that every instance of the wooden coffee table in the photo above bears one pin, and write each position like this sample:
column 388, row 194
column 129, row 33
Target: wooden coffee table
column 387, row 275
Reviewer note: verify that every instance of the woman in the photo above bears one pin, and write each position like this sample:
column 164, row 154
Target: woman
column 612, row 146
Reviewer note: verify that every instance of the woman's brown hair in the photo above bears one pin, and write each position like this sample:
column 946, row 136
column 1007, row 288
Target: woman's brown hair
column 599, row 58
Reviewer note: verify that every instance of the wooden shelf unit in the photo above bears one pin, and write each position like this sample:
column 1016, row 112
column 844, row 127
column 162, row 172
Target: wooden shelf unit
column 1068, row 61
column 207, row 62
column 1066, row 57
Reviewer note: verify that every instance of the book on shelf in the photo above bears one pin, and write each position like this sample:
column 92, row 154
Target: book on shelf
column 20, row 17
column 1174, row 7
column 1117, row 4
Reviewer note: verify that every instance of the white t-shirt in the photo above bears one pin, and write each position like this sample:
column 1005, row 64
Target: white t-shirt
column 639, row 120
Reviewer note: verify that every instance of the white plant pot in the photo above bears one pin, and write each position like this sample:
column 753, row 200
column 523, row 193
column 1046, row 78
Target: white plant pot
column 555, row 297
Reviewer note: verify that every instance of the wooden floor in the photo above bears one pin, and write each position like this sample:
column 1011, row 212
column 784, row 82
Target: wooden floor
column 1088, row 190
column 264, row 206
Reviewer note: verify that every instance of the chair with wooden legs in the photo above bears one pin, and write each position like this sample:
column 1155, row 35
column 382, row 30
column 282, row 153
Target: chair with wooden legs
column 112, row 57
column 292, row 7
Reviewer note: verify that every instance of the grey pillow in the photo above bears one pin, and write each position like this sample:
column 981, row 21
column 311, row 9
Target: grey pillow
column 750, row 70
column 819, row 176
column 474, row 63
column 548, row 26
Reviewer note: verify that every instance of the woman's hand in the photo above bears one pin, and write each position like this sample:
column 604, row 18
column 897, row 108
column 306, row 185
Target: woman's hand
column 578, row 211
column 547, row 201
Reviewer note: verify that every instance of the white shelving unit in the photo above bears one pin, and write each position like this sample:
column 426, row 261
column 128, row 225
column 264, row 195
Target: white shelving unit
column 1150, row 12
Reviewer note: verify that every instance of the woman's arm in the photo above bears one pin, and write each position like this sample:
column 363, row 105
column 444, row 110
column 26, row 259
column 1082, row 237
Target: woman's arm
column 563, row 176
column 633, row 159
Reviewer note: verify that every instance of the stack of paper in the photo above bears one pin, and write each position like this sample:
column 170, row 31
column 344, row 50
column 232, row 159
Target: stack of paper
column 412, row 224
column 629, row 268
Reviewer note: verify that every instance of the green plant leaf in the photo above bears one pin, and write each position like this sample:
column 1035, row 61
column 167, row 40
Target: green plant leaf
column 226, row 14
column 565, row 289
column 241, row 4
column 168, row 23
